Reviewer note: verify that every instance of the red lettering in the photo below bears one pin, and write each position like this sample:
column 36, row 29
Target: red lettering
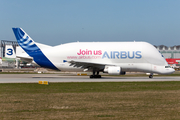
column 97, row 52
column 84, row 52
column 79, row 52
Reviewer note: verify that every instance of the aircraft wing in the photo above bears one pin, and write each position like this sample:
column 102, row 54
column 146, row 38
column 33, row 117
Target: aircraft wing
column 87, row 65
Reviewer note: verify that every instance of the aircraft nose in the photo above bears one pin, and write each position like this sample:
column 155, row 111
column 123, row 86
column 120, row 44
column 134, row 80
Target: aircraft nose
column 169, row 71
column 173, row 70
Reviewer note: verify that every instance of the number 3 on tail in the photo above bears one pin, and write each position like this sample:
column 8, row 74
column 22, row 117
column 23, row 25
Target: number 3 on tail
column 10, row 51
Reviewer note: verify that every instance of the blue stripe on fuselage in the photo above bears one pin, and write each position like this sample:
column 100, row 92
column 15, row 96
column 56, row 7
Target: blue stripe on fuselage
column 42, row 60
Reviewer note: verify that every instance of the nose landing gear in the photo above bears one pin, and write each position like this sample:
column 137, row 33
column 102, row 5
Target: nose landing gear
column 151, row 75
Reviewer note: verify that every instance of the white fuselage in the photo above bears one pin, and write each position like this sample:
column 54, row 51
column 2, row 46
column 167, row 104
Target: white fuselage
column 130, row 56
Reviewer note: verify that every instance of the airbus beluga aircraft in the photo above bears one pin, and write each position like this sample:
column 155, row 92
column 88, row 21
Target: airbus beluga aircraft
column 114, row 58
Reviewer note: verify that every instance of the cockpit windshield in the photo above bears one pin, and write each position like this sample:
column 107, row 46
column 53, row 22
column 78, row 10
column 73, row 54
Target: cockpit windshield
column 167, row 66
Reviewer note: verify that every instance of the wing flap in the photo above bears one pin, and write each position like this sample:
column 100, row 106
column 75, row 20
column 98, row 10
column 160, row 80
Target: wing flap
column 87, row 65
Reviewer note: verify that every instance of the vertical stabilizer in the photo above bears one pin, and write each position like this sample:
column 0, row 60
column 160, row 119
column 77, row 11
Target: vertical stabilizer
column 25, row 41
column 31, row 48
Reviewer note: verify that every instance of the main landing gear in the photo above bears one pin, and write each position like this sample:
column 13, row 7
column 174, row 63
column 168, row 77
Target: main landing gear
column 95, row 76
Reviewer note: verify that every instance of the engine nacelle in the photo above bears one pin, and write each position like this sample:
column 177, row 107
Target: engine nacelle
column 114, row 70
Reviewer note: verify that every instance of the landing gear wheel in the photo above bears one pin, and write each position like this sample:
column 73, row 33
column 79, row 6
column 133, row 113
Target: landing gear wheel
column 98, row 76
column 151, row 76
column 91, row 76
column 95, row 76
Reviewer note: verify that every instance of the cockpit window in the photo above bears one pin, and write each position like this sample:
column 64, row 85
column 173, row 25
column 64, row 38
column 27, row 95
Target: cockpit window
column 167, row 66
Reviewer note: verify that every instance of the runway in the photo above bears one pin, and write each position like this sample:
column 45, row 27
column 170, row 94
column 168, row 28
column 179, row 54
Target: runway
column 34, row 78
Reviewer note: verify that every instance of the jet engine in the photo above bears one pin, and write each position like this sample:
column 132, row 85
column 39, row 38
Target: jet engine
column 114, row 70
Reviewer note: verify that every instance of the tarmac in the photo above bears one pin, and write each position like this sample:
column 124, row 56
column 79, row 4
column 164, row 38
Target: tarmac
column 54, row 78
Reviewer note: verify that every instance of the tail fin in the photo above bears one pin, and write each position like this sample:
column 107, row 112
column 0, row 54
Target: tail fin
column 25, row 41
column 30, row 47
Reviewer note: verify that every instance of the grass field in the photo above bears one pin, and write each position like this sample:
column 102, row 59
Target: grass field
column 108, row 100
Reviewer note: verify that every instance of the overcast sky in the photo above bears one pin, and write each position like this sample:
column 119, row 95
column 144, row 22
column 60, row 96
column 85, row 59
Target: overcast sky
column 56, row 22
